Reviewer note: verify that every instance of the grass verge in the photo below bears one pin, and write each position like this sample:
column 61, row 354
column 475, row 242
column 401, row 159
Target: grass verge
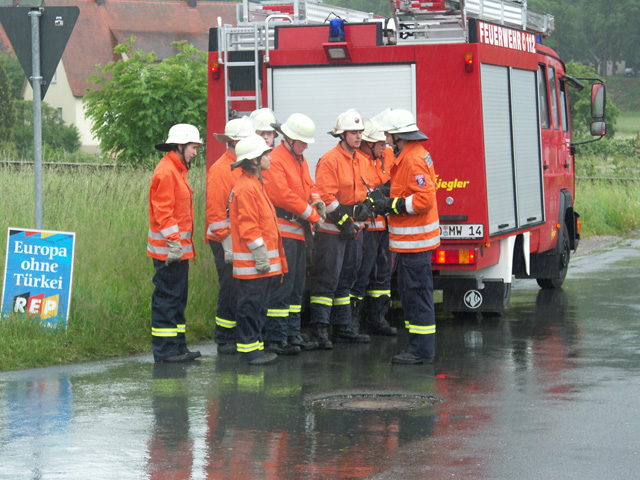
column 111, row 303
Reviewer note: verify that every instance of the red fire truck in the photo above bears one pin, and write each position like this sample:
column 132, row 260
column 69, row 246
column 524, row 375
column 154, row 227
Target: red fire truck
column 493, row 100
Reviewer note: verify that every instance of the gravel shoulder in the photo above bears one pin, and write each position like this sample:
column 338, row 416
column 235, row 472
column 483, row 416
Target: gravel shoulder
column 597, row 242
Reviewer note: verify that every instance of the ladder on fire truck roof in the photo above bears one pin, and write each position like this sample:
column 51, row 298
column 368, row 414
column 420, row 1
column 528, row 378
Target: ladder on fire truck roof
column 445, row 21
column 255, row 33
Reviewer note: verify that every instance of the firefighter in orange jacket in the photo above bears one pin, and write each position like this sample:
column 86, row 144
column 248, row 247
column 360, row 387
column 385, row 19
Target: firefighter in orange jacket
column 414, row 231
column 371, row 292
column 220, row 181
column 170, row 243
column 258, row 255
column 339, row 181
column 298, row 207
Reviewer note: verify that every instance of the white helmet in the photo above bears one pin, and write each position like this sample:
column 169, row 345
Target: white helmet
column 236, row 129
column 372, row 132
column 382, row 119
column 351, row 120
column 402, row 123
column 299, row 127
column 180, row 134
column 249, row 148
column 263, row 119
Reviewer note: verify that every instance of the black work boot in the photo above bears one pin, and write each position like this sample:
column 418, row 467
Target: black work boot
column 378, row 324
column 351, row 333
column 319, row 334
column 282, row 348
column 299, row 341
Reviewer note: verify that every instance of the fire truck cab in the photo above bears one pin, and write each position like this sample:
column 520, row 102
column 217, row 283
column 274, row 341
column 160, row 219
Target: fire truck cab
column 493, row 100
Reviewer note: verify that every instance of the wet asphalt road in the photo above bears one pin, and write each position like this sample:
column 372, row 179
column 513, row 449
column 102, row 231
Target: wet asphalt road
column 551, row 390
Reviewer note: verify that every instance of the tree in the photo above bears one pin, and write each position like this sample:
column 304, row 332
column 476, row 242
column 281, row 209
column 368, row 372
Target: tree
column 594, row 32
column 14, row 71
column 7, row 109
column 56, row 135
column 135, row 101
column 379, row 7
column 580, row 103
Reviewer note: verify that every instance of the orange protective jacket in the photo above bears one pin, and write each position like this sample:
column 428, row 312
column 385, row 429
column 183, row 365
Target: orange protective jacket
column 290, row 187
column 378, row 173
column 413, row 178
column 220, row 182
column 254, row 223
column 170, row 209
column 340, row 179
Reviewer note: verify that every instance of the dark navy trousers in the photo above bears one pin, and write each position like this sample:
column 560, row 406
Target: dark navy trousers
column 168, row 303
column 285, row 303
column 415, row 286
column 225, row 331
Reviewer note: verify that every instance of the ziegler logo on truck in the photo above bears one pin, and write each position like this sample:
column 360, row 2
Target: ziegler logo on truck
column 449, row 185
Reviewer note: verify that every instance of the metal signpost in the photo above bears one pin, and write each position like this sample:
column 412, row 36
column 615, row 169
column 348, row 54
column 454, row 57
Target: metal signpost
column 39, row 62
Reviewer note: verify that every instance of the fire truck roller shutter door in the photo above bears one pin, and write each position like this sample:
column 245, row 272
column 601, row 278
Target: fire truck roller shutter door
column 334, row 88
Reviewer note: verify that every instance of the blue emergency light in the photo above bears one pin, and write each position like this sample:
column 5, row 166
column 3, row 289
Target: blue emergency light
column 336, row 30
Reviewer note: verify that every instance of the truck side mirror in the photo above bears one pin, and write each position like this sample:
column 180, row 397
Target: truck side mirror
column 598, row 128
column 598, row 99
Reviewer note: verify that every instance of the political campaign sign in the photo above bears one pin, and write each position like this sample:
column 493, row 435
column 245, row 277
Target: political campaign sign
column 38, row 275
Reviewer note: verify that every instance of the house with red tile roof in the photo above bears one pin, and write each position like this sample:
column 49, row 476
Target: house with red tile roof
column 102, row 25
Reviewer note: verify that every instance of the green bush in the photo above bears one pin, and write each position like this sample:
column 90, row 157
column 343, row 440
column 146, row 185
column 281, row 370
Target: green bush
column 57, row 137
column 7, row 108
column 136, row 101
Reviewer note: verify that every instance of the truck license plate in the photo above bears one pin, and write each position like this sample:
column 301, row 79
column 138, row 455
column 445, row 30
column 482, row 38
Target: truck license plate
column 474, row 230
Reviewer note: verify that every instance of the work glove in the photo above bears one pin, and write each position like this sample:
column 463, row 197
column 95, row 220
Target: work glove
column 344, row 223
column 394, row 206
column 321, row 208
column 261, row 256
column 361, row 211
column 228, row 251
column 175, row 252
column 318, row 225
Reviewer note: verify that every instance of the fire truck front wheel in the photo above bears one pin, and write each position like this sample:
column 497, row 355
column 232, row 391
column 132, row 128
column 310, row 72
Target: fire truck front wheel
column 563, row 265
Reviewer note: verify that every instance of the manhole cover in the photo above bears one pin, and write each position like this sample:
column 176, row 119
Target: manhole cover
column 376, row 401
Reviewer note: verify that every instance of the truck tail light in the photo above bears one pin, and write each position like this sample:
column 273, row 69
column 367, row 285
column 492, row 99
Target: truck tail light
column 215, row 70
column 468, row 62
column 453, row 257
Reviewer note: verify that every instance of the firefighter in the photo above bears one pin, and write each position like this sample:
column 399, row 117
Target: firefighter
column 263, row 121
column 220, row 181
column 258, row 255
column 339, row 181
column 299, row 209
column 170, row 243
column 371, row 292
column 413, row 231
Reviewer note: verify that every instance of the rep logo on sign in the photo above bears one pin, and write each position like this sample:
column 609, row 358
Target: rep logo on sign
column 38, row 274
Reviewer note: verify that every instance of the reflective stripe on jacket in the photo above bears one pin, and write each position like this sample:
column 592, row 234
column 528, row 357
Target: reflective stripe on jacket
column 339, row 179
column 290, row 187
column 413, row 178
column 220, row 182
column 170, row 209
column 254, row 223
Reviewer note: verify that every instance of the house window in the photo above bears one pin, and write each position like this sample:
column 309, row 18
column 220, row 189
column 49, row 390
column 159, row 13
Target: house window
column 59, row 110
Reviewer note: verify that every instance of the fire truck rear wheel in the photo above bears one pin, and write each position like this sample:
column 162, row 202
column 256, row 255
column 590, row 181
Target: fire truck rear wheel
column 563, row 266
